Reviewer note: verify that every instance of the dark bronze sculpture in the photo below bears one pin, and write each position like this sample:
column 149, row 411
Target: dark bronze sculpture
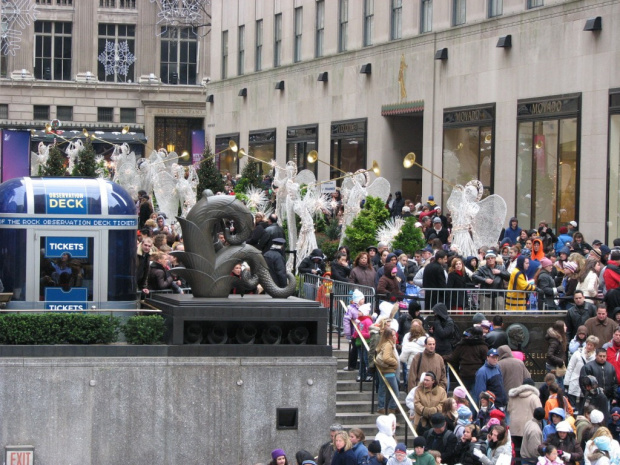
column 207, row 270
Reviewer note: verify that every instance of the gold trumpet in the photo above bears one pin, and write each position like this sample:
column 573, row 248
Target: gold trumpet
column 375, row 169
column 313, row 157
column 232, row 146
column 409, row 161
column 242, row 154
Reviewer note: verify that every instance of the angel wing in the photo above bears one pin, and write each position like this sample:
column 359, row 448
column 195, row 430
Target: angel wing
column 380, row 187
column 305, row 177
column 488, row 221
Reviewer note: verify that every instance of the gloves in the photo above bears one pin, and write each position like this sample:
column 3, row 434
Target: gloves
column 478, row 453
column 566, row 456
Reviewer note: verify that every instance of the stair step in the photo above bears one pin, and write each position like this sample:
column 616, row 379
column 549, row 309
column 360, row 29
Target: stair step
column 353, row 396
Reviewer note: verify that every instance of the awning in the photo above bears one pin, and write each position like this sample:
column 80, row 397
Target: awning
column 402, row 108
column 111, row 137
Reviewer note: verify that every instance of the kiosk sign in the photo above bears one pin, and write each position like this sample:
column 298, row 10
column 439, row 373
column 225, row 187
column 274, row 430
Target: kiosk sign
column 76, row 246
column 71, row 201
column 73, row 299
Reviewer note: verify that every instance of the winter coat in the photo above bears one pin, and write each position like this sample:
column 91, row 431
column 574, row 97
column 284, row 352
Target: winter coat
column 342, row 457
column 271, row 232
column 612, row 275
column 410, row 349
column 443, row 329
column 427, row 362
column 597, row 458
column 385, row 435
column 424, row 459
column 522, row 401
column 427, row 402
column 589, row 286
column 603, row 330
column 577, row 316
column 352, row 314
column 496, row 338
column 446, row 447
column 326, row 453
column 365, row 322
column 388, row 354
column 159, row 278
column 605, row 374
column 465, row 452
column 588, row 450
column 494, row 454
column 434, row 277
column 308, row 264
column 613, row 357
column 573, row 371
column 552, row 403
column 468, row 356
column 339, row 272
column 257, row 233
column 546, row 289
column 518, row 282
column 512, row 233
column 532, row 438
column 457, row 299
column 513, row 370
column 363, row 276
column 489, row 378
column 483, row 272
column 556, row 355
column 361, row 452
column 569, row 445
column 277, row 266
column 388, row 285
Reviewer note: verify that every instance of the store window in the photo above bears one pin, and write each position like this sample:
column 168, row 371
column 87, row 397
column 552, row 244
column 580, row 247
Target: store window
column 175, row 135
column 52, row 56
column 348, row 146
column 468, row 147
column 299, row 141
column 116, row 52
column 548, row 160
column 613, row 180
column 179, row 55
column 226, row 161
column 262, row 145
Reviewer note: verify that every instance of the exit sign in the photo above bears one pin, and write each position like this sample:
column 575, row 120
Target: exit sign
column 19, row 455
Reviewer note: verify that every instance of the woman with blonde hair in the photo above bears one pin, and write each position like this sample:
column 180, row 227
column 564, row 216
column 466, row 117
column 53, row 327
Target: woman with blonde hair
column 343, row 454
column 413, row 342
column 589, row 279
column 614, row 452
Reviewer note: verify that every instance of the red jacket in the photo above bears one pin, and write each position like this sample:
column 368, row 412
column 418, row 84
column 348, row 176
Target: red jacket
column 364, row 326
column 612, row 275
column 613, row 357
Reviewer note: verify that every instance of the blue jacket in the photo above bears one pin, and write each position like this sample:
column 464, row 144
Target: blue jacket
column 562, row 240
column 361, row 453
column 489, row 378
column 512, row 234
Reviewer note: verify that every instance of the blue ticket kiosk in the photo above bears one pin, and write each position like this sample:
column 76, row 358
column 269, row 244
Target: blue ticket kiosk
column 67, row 244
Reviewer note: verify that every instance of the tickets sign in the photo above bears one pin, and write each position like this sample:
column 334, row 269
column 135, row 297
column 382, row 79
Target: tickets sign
column 76, row 246
column 74, row 299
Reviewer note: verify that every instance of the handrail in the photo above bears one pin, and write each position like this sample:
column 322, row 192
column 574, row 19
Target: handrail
column 471, row 399
column 387, row 385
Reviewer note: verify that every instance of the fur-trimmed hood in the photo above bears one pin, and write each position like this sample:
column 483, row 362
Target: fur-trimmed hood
column 552, row 334
column 524, row 391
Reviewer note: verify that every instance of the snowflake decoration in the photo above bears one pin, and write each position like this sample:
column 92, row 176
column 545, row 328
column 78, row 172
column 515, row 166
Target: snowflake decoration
column 116, row 58
column 180, row 12
column 15, row 15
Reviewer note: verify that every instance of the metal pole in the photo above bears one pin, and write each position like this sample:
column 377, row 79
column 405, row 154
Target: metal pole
column 331, row 320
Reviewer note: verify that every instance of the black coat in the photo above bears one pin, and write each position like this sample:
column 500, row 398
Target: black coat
column 443, row 330
column 468, row 356
column 434, row 278
column 270, row 233
column 339, row 272
column 577, row 316
column 605, row 374
column 457, row 299
column 277, row 266
column 257, row 233
column 496, row 338
column 310, row 263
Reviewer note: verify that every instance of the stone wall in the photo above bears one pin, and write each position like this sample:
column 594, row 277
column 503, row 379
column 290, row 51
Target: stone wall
column 164, row 410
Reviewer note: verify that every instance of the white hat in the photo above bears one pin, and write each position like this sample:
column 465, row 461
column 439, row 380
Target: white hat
column 597, row 417
column 357, row 296
column 573, row 223
column 365, row 309
column 564, row 427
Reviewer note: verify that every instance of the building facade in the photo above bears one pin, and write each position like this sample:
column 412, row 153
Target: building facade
column 103, row 65
column 520, row 94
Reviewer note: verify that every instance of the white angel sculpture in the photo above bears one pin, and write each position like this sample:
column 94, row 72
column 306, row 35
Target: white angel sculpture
column 126, row 173
column 307, row 207
column 187, row 188
column 73, row 150
column 39, row 159
column 475, row 223
column 356, row 188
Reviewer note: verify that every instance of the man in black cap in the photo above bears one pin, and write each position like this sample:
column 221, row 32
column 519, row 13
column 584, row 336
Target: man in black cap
column 441, row 439
column 276, row 263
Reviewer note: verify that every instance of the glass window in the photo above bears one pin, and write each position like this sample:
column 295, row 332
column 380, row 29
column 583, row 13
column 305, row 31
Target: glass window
column 496, row 8
column 263, row 147
column 226, row 161
column 300, row 141
column 116, row 50
column 259, row 46
column 277, row 41
column 224, row 54
column 179, row 55
column 41, row 112
column 121, row 281
column 4, row 111
column 458, row 12
column 105, row 114
column 298, row 30
column 426, row 16
column 13, row 259
column 320, row 28
column 64, row 113
column 128, row 115
column 613, row 214
column 52, row 56
column 547, row 162
column 241, row 57
column 4, row 59
column 343, row 22
column 468, row 148
column 348, row 146
column 535, row 3
column 397, row 19
column 369, row 14
column 175, row 134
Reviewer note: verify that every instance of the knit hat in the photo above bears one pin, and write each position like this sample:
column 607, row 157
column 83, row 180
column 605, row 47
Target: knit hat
column 571, row 266
column 582, row 330
column 460, row 392
column 563, row 230
column 400, row 447
column 478, row 318
column 496, row 413
column 277, row 453
column 486, row 323
column 493, row 422
column 375, row 447
column 545, row 262
column 563, row 427
column 615, row 411
column 464, row 413
column 488, row 395
column 357, row 296
column 419, row 442
column 603, row 443
column 597, row 417
column 539, row 413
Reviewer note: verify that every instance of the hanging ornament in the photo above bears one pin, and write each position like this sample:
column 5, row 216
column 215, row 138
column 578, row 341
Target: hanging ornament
column 174, row 13
column 15, row 16
column 116, row 58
